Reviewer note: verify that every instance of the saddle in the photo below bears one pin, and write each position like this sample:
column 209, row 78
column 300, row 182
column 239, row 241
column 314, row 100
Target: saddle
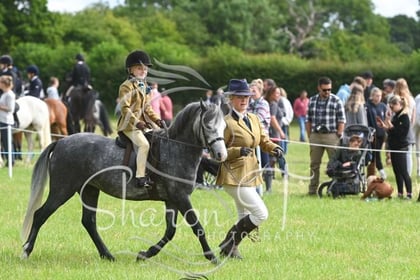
column 124, row 142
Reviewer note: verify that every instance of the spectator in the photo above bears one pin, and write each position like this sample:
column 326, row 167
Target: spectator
column 300, row 107
column 35, row 88
column 377, row 109
column 52, row 90
column 268, row 85
column 397, row 127
column 368, row 76
column 239, row 173
column 155, row 98
column 209, row 96
column 402, row 89
column 259, row 106
column 288, row 118
column 7, row 107
column 6, row 68
column 277, row 112
column 166, row 108
column 345, row 90
column 355, row 107
column 388, row 86
column 325, row 122
column 346, row 159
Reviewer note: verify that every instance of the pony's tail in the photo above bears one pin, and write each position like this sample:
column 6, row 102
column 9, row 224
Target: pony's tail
column 39, row 180
column 104, row 118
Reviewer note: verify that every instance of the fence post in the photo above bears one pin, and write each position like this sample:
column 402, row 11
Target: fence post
column 10, row 150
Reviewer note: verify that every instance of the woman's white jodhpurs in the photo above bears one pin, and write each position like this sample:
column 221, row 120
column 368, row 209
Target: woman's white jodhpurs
column 248, row 202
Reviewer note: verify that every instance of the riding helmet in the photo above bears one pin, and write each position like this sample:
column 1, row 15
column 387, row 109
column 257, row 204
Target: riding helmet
column 6, row 59
column 32, row 69
column 79, row 57
column 136, row 58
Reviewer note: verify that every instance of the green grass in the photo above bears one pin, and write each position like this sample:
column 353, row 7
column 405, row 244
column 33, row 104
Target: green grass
column 321, row 238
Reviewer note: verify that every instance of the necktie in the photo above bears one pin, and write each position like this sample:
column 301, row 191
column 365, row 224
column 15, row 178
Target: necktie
column 247, row 122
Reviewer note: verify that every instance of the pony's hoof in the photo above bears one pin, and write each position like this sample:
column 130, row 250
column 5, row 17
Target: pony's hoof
column 108, row 257
column 215, row 261
column 211, row 257
column 24, row 255
column 142, row 256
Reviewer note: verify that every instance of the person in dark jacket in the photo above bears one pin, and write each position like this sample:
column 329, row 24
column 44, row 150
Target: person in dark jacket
column 35, row 88
column 397, row 127
column 377, row 109
column 80, row 75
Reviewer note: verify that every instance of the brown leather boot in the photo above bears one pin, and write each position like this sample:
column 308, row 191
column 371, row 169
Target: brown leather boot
column 229, row 246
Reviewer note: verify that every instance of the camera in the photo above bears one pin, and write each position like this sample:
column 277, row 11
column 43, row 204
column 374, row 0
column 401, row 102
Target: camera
column 321, row 129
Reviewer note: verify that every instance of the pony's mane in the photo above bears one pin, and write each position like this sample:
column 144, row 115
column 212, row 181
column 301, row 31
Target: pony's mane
column 190, row 113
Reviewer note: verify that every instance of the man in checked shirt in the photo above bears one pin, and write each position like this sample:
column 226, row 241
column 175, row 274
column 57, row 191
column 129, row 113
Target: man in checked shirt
column 325, row 121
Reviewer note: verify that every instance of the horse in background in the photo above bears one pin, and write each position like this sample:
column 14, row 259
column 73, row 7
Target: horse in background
column 81, row 102
column 102, row 118
column 85, row 106
column 87, row 163
column 34, row 116
column 58, row 117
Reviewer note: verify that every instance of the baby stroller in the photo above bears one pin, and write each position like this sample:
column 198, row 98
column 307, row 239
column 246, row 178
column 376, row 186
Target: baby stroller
column 350, row 180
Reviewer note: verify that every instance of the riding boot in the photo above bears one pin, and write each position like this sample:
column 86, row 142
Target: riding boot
column 144, row 182
column 229, row 246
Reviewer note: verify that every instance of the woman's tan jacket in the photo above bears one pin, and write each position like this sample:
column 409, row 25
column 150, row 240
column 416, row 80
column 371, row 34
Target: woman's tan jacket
column 240, row 170
column 135, row 106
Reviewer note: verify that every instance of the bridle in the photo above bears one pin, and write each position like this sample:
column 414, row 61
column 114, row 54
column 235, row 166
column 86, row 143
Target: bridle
column 207, row 143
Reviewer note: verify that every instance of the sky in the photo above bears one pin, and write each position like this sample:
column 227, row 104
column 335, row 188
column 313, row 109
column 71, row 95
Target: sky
column 387, row 8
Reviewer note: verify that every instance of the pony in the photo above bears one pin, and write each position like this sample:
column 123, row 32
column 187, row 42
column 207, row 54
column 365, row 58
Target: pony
column 33, row 115
column 81, row 101
column 88, row 163
column 58, row 116
column 101, row 117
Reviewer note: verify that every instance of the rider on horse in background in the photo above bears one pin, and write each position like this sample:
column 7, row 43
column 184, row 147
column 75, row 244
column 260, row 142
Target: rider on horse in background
column 136, row 112
column 80, row 75
column 35, row 87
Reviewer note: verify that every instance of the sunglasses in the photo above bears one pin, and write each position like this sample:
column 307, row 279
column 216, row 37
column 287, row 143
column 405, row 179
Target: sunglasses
column 326, row 89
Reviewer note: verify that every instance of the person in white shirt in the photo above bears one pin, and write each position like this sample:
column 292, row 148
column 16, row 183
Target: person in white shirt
column 52, row 90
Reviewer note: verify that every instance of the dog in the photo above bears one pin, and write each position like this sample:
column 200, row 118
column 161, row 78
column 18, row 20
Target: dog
column 377, row 187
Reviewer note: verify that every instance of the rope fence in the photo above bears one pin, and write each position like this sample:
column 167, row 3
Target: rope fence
column 12, row 130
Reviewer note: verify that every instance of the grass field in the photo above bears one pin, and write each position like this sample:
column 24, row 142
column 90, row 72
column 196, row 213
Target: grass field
column 304, row 237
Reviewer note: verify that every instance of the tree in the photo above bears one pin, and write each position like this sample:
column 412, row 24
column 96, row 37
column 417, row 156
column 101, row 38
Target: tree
column 405, row 32
column 26, row 21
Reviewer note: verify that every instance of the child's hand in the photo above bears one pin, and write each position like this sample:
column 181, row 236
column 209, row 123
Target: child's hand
column 347, row 164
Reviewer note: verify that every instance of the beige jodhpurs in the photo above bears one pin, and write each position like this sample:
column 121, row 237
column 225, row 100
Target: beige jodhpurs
column 141, row 147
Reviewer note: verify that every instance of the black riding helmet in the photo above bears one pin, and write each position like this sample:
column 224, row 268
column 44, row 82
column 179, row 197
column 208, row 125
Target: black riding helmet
column 136, row 58
column 32, row 69
column 6, row 59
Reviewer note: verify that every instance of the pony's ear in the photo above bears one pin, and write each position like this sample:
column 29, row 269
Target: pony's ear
column 202, row 105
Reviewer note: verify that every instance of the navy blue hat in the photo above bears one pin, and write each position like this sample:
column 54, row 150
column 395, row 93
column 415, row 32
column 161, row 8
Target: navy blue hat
column 32, row 69
column 80, row 57
column 367, row 75
column 239, row 87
